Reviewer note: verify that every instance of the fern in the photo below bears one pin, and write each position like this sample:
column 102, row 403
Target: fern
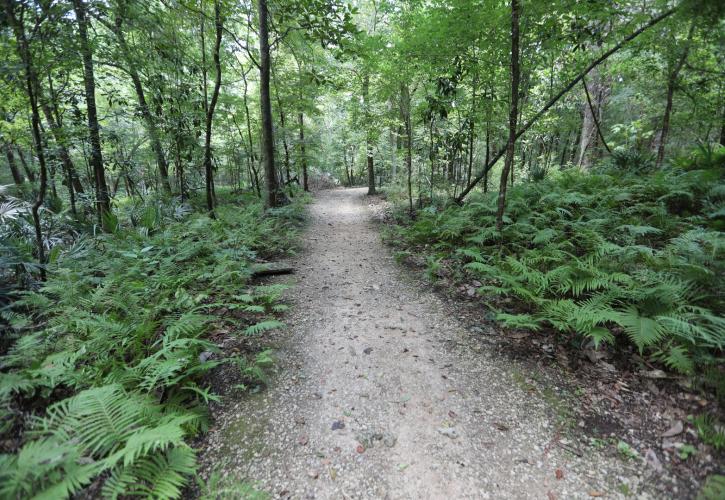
column 162, row 475
column 263, row 326
column 643, row 331
column 594, row 254
column 713, row 489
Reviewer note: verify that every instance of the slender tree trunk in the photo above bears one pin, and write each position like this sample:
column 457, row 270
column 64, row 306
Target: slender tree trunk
column 17, row 176
column 63, row 153
column 29, row 173
column 513, row 112
column 352, row 167
column 407, row 127
column 534, row 119
column 252, row 154
column 347, row 170
column 285, row 146
column 208, row 167
column 32, row 86
column 588, row 137
column 151, row 127
column 674, row 76
column 103, row 202
column 368, row 136
column 303, row 153
column 283, row 128
column 593, row 113
column 274, row 196
column 68, row 167
column 488, row 155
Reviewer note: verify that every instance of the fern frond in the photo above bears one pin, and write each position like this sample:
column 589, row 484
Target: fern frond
column 263, row 326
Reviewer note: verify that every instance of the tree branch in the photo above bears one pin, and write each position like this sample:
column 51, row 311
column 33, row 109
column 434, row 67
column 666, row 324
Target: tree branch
column 562, row 93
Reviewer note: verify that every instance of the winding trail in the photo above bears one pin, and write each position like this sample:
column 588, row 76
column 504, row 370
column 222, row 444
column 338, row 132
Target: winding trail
column 371, row 353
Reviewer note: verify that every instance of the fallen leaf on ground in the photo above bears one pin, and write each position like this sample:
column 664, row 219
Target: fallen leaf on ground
column 559, row 474
column 448, row 432
column 360, row 448
column 650, row 457
column 674, row 430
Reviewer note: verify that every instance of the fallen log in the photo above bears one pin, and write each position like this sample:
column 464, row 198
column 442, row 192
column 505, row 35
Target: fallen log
column 271, row 269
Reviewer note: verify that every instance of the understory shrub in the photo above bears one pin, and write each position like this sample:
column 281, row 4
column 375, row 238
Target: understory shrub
column 613, row 253
column 103, row 364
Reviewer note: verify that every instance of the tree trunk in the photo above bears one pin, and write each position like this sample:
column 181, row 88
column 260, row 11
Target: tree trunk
column 551, row 102
column 588, row 138
column 513, row 112
column 368, row 136
column 303, row 154
column 488, row 154
column 285, row 146
column 661, row 139
column 17, row 176
column 405, row 112
column 32, row 88
column 252, row 155
column 347, row 170
column 29, row 173
column 274, row 197
column 103, row 202
column 72, row 180
column 149, row 120
column 208, row 168
column 63, row 153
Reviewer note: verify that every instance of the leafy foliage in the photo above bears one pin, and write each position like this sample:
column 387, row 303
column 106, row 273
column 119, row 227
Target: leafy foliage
column 606, row 255
column 119, row 351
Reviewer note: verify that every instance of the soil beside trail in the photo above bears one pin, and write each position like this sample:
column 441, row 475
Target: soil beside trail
column 381, row 393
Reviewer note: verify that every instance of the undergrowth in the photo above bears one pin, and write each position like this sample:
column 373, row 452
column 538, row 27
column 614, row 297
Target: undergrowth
column 103, row 365
column 611, row 256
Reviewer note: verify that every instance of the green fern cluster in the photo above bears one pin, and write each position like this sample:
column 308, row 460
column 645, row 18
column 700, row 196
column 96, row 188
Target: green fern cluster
column 111, row 351
column 601, row 255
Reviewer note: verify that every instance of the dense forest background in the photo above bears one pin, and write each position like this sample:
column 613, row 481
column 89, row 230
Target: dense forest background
column 567, row 153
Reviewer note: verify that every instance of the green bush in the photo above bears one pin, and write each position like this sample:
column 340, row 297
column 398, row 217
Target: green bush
column 107, row 357
column 611, row 254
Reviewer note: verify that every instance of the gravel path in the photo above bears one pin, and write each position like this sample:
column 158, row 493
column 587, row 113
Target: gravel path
column 382, row 394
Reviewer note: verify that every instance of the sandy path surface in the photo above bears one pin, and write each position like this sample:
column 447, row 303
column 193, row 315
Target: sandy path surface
column 382, row 394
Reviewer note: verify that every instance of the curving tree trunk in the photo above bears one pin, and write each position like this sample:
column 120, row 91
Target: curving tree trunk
column 672, row 80
column 32, row 87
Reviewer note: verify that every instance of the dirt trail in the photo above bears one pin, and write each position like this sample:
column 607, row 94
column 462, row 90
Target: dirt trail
column 372, row 354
